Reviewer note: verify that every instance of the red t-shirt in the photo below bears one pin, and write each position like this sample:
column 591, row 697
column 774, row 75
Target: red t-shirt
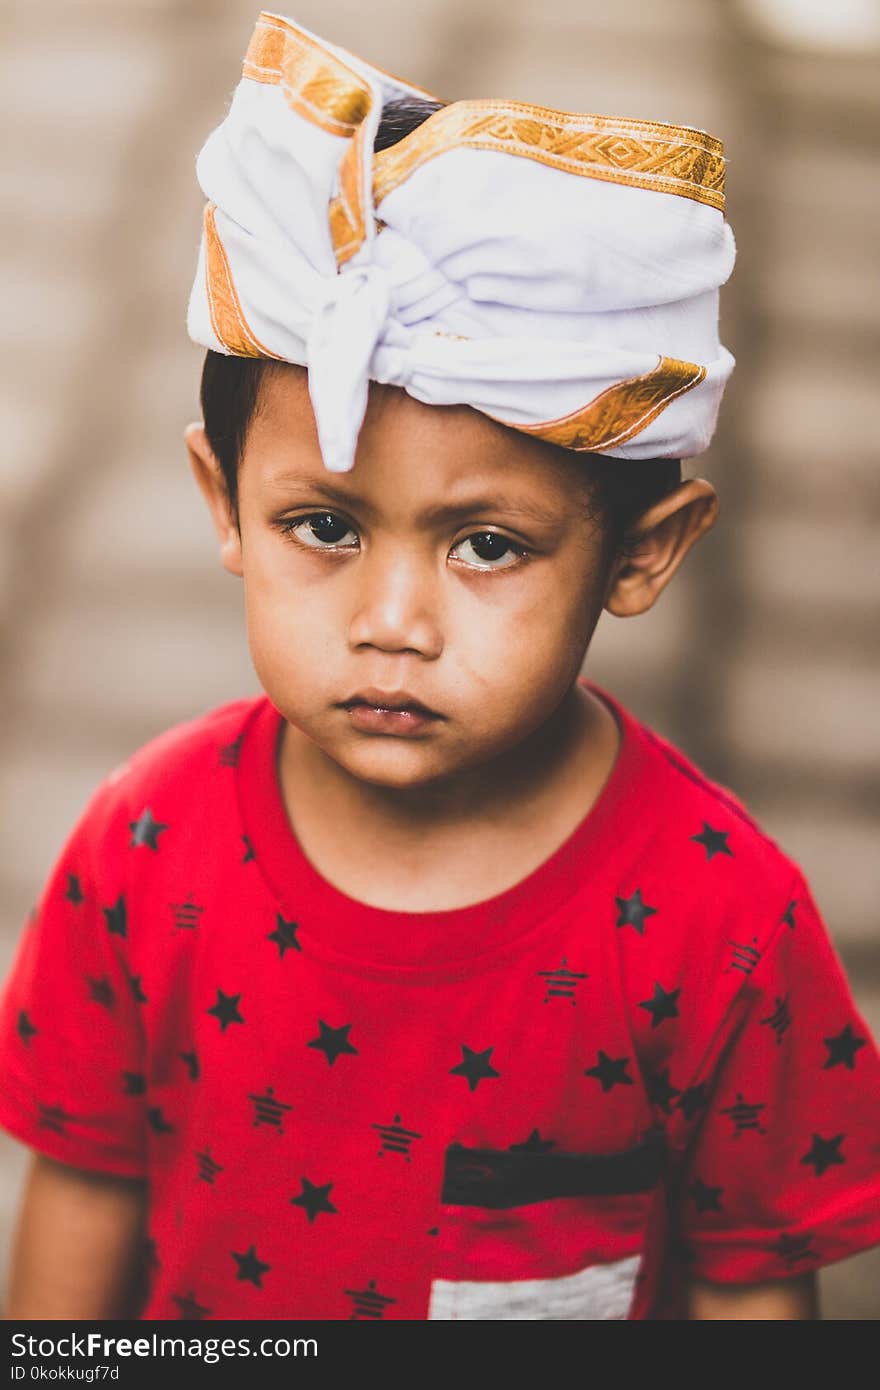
column 641, row 1060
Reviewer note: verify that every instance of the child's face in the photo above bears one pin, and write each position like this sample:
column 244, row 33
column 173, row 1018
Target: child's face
column 369, row 581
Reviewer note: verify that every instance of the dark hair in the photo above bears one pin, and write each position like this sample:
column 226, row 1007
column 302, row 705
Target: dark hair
column 621, row 489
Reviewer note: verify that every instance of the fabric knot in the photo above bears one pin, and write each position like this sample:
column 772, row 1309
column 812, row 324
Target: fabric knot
column 347, row 324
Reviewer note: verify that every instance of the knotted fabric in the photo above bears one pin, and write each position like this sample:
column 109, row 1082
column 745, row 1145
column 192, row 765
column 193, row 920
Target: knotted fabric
column 557, row 271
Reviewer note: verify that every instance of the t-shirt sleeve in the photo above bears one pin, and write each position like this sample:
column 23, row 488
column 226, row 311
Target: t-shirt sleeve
column 71, row 1051
column 782, row 1174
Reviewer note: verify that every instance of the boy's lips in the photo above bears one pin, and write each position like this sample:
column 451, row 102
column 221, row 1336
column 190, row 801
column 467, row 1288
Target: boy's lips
column 388, row 712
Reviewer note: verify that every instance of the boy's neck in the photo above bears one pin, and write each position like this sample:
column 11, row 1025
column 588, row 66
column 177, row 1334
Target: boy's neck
column 525, row 803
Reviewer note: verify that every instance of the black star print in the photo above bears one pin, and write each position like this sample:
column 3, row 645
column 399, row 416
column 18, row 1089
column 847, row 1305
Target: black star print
column 824, row 1152
column 793, row 1248
column 662, row 1006
column 157, row 1122
column 313, row 1199
column 250, row 1267
column 133, row 1083
column 145, row 830
column 533, row 1145
column 332, row 1041
column 191, row 1062
column 54, row 1118
column 226, row 1009
column 136, row 989
column 248, row 850
column 25, row 1028
column 284, row 936
column 660, row 1090
column 101, row 991
column 611, row 1071
column 116, row 918
column 706, row 1198
column 693, row 1099
column 74, row 892
column 475, row 1066
column 190, row 1308
column 843, row 1048
column 713, row 841
column 633, row 912
column 788, row 915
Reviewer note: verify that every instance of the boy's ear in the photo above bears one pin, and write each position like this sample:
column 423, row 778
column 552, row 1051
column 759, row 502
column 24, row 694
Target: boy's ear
column 209, row 476
column 657, row 544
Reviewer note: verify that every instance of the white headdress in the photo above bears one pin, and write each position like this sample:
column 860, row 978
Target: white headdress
column 558, row 272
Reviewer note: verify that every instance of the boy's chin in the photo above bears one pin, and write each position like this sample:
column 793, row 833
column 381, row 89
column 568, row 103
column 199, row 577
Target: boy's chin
column 398, row 765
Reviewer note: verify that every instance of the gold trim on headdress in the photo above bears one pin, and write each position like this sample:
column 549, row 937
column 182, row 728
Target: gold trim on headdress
column 227, row 317
column 620, row 412
column 316, row 83
column 643, row 154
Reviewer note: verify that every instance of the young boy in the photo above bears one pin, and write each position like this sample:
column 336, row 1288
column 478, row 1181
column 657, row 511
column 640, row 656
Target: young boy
column 431, row 984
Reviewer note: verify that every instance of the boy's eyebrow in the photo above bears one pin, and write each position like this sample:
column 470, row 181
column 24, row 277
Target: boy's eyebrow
column 443, row 512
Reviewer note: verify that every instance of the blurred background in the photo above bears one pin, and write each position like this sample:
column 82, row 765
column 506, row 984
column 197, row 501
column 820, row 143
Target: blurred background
column 116, row 617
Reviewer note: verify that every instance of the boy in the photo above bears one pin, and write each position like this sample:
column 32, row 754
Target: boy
column 431, row 984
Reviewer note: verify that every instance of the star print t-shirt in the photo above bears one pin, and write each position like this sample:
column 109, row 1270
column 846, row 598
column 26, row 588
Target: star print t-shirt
column 640, row 1062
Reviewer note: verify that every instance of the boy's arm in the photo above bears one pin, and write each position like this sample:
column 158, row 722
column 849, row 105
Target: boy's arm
column 782, row 1299
column 77, row 1245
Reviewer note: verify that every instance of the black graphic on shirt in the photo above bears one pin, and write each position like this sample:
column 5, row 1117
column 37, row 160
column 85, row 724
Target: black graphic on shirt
column 25, row 1029
column 250, row 1266
column 706, row 1198
column 793, row 1248
column 713, row 841
column 780, row 1018
column 824, row 1153
column 284, row 936
column 475, row 1066
column 333, row 1042
column 190, row 1308
column 634, row 912
column 101, row 991
column 228, row 754
column 248, row 850
column 744, row 1116
column 226, row 1009
column 52, row 1117
column 693, row 1099
column 561, row 982
column 395, row 1139
column 662, row 1006
column 146, row 830
column 368, row 1302
column 157, row 1121
column 788, row 914
column 660, row 1089
column 744, row 957
column 136, row 988
column 268, row 1110
column 610, row 1071
column 116, row 917
column 314, row 1199
column 74, row 893
column 843, row 1049
column 534, row 1145
column 191, row 1062
column 186, row 914
column 133, row 1083
column 207, row 1168
column 502, row 1178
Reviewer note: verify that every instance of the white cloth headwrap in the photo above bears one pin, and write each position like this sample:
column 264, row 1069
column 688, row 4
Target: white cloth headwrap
column 558, row 272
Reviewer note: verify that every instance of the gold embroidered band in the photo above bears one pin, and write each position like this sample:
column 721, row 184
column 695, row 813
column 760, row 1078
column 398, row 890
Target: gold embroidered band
column 227, row 317
column 620, row 412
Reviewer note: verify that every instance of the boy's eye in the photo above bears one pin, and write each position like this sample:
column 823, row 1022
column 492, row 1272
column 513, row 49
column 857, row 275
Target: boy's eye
column 320, row 531
column 489, row 547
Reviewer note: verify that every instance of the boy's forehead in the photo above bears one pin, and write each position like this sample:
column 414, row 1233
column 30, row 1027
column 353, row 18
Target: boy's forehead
column 426, row 448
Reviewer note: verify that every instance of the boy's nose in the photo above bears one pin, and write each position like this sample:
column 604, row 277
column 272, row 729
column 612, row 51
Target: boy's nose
column 396, row 605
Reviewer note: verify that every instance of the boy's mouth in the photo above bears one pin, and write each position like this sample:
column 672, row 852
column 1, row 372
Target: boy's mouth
column 389, row 712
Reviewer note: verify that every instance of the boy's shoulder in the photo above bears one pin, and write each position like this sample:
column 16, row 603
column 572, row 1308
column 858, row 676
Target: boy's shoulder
column 696, row 831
